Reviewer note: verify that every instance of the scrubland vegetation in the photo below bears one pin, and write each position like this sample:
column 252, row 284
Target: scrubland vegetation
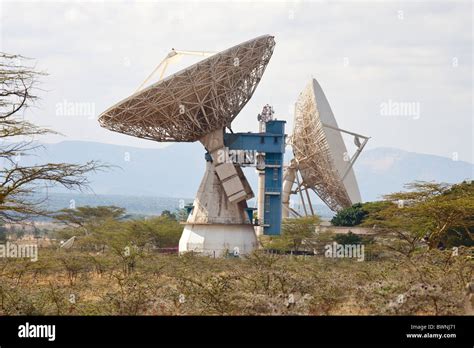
column 118, row 267
column 82, row 283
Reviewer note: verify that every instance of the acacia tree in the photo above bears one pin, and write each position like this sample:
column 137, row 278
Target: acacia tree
column 296, row 233
column 427, row 211
column 18, row 183
column 86, row 218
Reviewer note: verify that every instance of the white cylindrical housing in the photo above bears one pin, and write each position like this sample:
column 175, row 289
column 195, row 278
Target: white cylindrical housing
column 288, row 181
column 260, row 201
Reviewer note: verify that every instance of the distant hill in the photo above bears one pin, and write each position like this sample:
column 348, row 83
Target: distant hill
column 384, row 170
column 176, row 171
column 134, row 205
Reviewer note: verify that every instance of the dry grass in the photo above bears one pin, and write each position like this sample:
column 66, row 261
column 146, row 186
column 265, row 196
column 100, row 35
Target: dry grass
column 75, row 283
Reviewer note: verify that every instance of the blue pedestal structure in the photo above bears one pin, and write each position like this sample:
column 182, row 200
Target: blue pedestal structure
column 272, row 144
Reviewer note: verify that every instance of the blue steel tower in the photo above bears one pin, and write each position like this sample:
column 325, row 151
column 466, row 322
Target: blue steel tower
column 270, row 144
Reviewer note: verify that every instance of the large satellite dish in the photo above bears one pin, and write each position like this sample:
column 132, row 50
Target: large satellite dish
column 192, row 103
column 197, row 104
column 320, row 155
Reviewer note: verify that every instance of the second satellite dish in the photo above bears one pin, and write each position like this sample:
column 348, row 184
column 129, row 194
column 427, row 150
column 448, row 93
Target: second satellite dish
column 320, row 155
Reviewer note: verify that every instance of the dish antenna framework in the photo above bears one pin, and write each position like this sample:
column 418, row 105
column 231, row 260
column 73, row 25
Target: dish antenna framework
column 321, row 162
column 197, row 104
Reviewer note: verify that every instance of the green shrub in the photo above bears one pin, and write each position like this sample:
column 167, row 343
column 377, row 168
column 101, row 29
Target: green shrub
column 350, row 216
column 349, row 238
column 458, row 236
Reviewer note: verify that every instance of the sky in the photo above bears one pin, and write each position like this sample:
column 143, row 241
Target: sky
column 399, row 72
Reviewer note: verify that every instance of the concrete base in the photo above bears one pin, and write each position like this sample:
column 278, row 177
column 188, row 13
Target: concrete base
column 217, row 225
column 216, row 240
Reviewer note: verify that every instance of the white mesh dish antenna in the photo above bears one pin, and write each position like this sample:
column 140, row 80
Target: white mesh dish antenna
column 197, row 103
column 320, row 155
column 193, row 102
column 69, row 243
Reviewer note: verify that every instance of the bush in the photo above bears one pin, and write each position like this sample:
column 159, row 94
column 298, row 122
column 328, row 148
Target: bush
column 3, row 233
column 431, row 282
column 350, row 216
column 296, row 234
column 458, row 236
column 349, row 238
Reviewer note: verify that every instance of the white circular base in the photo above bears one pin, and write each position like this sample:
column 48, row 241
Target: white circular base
column 216, row 240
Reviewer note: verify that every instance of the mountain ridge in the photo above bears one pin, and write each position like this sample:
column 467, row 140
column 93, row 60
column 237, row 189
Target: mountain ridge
column 176, row 170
